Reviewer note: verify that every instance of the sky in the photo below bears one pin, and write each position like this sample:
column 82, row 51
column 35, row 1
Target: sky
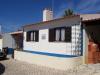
column 16, row 13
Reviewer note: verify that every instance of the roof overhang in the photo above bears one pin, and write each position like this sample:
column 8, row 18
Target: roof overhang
column 17, row 32
column 58, row 19
column 90, row 17
column 84, row 18
column 66, row 21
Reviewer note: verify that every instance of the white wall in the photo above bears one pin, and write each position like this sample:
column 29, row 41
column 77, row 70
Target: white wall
column 44, row 45
column 47, row 15
column 67, row 48
column 85, row 45
column 8, row 41
column 1, row 40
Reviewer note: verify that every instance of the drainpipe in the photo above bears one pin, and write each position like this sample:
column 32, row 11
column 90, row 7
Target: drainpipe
column 23, row 37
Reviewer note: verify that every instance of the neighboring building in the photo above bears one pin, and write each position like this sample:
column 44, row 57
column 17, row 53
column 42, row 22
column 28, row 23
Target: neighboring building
column 11, row 41
column 91, row 38
column 6, row 41
column 0, row 42
column 18, row 39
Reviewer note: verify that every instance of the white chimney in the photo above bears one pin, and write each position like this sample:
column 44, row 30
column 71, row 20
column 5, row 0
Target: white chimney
column 47, row 14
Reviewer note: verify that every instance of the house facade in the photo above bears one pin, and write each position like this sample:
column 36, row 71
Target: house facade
column 55, row 37
column 62, row 43
column 53, row 42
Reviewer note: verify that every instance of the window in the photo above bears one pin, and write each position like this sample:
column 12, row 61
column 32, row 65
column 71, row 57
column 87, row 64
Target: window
column 57, row 35
column 32, row 36
column 60, row 34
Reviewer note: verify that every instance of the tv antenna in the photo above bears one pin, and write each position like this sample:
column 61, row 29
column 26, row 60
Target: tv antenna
column 53, row 7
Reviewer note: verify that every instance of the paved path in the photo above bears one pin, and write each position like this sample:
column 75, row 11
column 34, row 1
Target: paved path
column 13, row 67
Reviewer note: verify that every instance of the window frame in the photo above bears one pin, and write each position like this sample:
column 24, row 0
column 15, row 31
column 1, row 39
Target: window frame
column 60, row 40
column 28, row 36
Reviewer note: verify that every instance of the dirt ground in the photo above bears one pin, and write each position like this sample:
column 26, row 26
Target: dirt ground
column 14, row 67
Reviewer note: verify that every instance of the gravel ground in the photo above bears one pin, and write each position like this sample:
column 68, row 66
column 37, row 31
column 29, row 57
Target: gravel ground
column 14, row 67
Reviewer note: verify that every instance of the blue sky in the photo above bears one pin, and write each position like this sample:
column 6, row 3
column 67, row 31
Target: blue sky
column 16, row 13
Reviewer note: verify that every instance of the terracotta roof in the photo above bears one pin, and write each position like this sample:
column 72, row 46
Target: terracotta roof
column 85, row 18
column 17, row 32
column 51, row 20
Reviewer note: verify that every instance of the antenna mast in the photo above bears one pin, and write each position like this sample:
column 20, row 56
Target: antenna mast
column 0, row 29
column 53, row 7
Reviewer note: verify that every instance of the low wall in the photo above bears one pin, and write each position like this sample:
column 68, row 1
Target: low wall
column 48, row 61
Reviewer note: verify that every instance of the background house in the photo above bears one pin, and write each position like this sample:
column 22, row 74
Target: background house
column 11, row 41
column 18, row 39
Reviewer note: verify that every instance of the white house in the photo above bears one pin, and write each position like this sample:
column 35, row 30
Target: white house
column 53, row 43
column 62, row 43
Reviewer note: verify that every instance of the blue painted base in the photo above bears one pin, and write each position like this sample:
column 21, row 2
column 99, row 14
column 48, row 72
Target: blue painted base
column 50, row 54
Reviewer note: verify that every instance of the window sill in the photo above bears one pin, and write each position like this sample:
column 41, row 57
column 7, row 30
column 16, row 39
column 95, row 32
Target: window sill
column 31, row 41
column 60, row 42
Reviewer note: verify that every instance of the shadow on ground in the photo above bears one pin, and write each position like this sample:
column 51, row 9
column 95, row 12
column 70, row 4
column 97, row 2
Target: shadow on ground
column 3, row 59
column 2, row 68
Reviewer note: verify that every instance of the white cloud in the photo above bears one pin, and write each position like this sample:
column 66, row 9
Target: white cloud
column 87, row 6
column 82, row 6
column 68, row 4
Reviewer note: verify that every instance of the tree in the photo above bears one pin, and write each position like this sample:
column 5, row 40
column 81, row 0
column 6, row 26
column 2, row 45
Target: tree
column 68, row 12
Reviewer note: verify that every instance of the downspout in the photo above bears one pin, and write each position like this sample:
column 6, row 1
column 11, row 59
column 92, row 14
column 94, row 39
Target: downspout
column 23, row 38
column 84, row 42
column 81, row 38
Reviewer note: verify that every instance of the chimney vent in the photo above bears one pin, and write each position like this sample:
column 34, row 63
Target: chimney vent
column 47, row 14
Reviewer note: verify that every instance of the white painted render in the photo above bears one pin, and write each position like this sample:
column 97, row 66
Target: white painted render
column 1, row 44
column 8, row 41
column 64, row 48
column 47, row 15
column 67, row 48
column 85, row 45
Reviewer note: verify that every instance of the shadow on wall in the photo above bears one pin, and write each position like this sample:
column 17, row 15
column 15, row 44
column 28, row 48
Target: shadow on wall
column 2, row 69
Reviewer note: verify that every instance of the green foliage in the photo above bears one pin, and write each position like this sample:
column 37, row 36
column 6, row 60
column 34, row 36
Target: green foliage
column 68, row 12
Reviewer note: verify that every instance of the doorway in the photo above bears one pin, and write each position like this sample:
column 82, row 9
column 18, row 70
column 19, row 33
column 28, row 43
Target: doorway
column 93, row 32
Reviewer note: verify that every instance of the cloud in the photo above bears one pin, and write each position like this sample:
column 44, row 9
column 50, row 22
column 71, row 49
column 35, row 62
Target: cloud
column 88, row 6
column 62, row 7
column 80, row 7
